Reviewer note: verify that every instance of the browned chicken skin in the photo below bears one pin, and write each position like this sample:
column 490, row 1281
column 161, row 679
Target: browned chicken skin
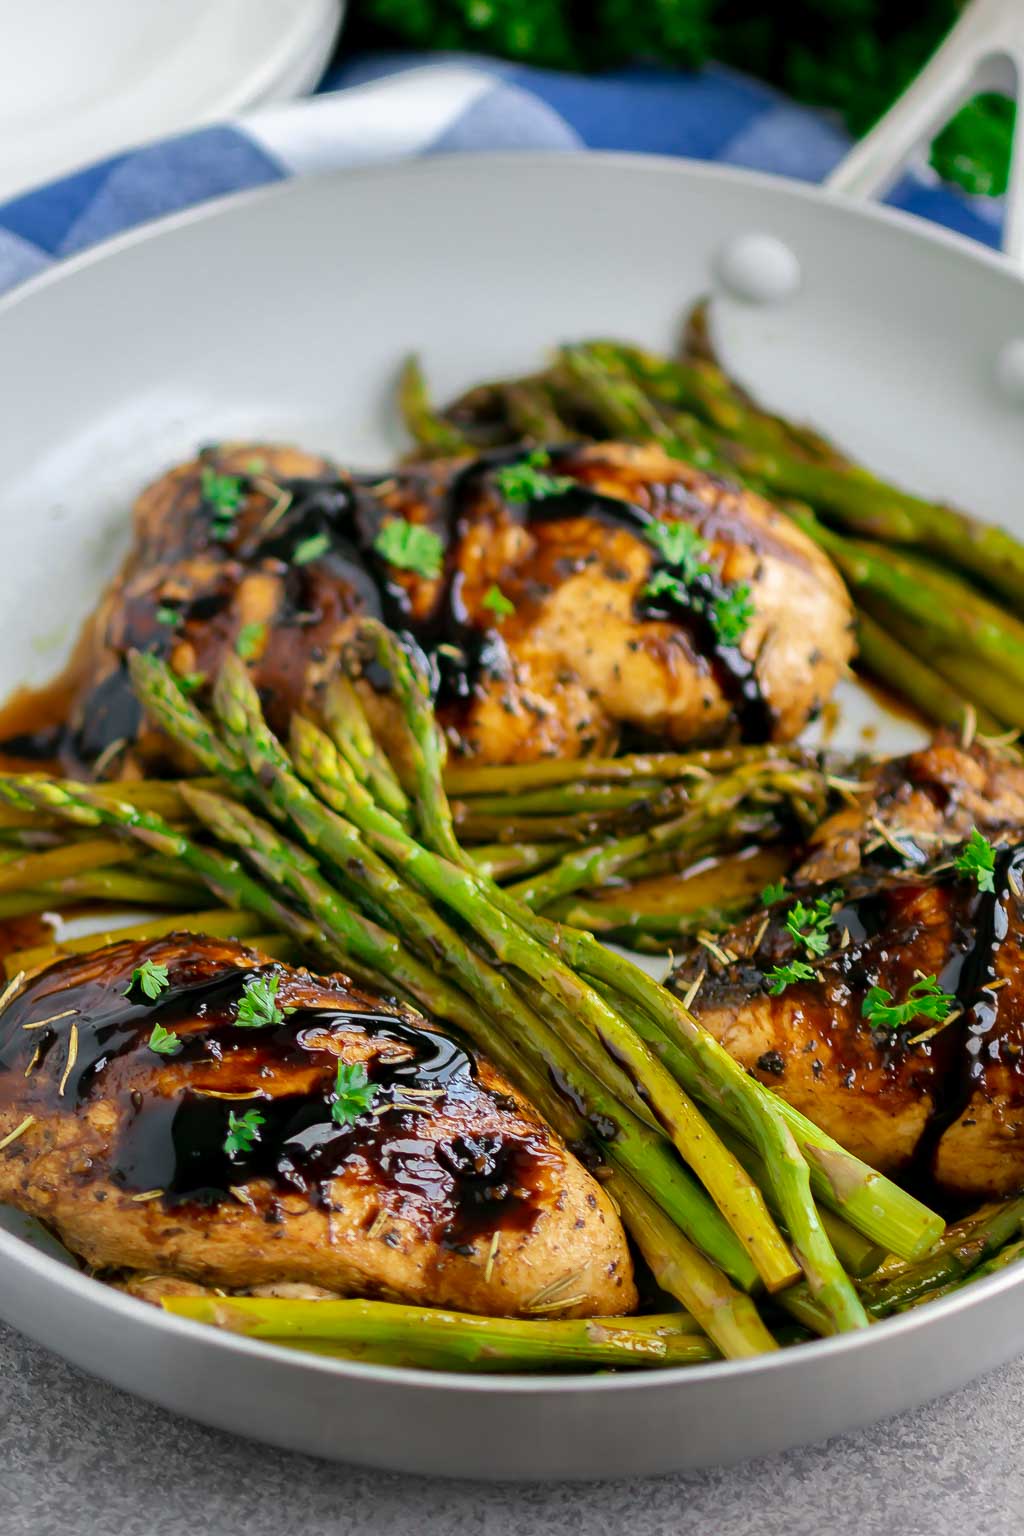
column 949, row 1099
column 584, row 656
column 444, row 1189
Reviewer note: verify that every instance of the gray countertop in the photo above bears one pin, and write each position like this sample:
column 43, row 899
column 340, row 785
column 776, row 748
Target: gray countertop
column 79, row 1457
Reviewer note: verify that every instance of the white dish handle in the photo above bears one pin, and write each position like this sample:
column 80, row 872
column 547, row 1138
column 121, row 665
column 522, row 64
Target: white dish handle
column 984, row 52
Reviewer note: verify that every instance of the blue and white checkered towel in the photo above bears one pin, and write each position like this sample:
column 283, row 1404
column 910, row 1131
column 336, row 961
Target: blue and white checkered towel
column 383, row 107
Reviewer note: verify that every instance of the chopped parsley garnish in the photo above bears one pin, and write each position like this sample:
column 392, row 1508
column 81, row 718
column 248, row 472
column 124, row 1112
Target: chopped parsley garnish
column 310, row 549
column 731, row 614
column 924, row 1000
column 978, row 859
column 258, row 1007
column 353, row 1093
column 782, row 976
column 250, row 642
column 773, row 893
column 150, row 977
column 224, row 494
column 495, row 599
column 168, row 616
column 410, row 547
column 680, row 546
column 809, row 925
column 663, row 581
column 163, row 1041
column 243, row 1131
column 526, row 481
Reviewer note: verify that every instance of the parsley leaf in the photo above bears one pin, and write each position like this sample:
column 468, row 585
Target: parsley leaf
column 224, row 494
column 150, row 977
column 495, row 599
column 258, row 1007
column 773, row 893
column 782, row 976
column 680, row 546
column 978, row 858
column 410, row 547
column 663, row 582
column 251, row 640
column 731, row 614
column 168, row 616
column 525, row 481
column 163, row 1041
column 243, row 1131
column 810, row 925
column 925, row 999
column 310, row 549
column 353, row 1093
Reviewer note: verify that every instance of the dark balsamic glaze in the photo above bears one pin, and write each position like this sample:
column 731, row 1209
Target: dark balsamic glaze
column 350, row 576
column 456, row 1182
column 980, row 1040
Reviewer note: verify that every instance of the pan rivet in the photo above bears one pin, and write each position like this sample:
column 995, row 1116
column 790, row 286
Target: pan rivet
column 760, row 269
column 1010, row 370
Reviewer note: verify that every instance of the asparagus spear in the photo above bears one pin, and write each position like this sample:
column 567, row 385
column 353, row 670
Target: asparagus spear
column 225, row 877
column 219, row 923
column 290, row 866
column 728, row 1317
column 956, row 1256
column 429, row 430
column 503, row 861
column 884, row 654
column 531, row 412
column 538, row 829
column 955, row 676
column 858, row 1256
column 349, row 729
column 34, row 868
column 645, row 797
column 493, row 779
column 158, row 796
column 109, row 885
column 427, row 1338
column 953, row 616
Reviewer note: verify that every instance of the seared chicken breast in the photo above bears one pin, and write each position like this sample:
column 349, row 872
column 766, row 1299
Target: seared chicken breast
column 911, row 808
column 532, row 598
column 250, row 1125
column 942, row 1092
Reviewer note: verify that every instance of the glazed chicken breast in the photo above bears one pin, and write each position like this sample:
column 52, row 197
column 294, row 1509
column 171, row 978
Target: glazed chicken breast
column 552, row 618
column 942, row 1092
column 255, row 1126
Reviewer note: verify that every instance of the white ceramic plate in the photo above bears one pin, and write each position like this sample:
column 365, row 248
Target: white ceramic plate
column 82, row 81
column 285, row 313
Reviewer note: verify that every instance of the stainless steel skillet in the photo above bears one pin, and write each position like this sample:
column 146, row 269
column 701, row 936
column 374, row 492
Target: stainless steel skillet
column 285, row 312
